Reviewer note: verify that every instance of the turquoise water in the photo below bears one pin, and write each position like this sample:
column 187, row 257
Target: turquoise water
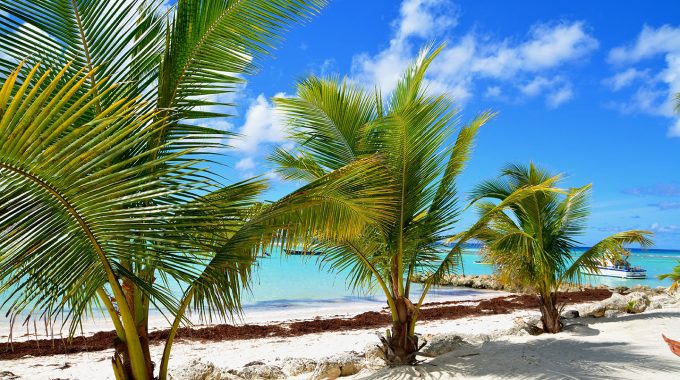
column 297, row 278
column 296, row 281
column 655, row 261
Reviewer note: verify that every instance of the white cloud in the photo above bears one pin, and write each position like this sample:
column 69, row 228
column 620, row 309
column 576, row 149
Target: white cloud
column 625, row 78
column 423, row 18
column 384, row 68
column 670, row 229
column 559, row 96
column 537, row 85
column 557, row 90
column 650, row 42
column 547, row 48
column 553, row 45
column 261, row 126
column 655, row 94
column 245, row 164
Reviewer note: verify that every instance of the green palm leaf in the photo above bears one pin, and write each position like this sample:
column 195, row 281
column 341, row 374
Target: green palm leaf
column 337, row 124
column 532, row 230
column 69, row 213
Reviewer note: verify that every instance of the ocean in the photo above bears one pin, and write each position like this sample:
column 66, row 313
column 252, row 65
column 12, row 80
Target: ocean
column 287, row 280
column 297, row 282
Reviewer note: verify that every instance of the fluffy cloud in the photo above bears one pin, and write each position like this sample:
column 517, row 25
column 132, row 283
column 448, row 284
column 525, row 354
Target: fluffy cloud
column 545, row 49
column 625, row 78
column 654, row 94
column 558, row 90
column 423, row 18
column 650, row 42
column 261, row 126
column 245, row 164
column 552, row 46
column 537, row 85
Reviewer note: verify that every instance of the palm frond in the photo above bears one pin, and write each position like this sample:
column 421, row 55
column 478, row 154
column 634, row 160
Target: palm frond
column 336, row 207
column 327, row 117
column 210, row 45
column 75, row 202
column 296, row 167
column 611, row 247
column 480, row 228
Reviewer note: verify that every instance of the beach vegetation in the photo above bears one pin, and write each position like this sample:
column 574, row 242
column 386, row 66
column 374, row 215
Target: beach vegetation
column 108, row 201
column 532, row 239
column 418, row 141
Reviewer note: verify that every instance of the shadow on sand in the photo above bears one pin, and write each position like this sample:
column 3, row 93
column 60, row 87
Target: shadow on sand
column 549, row 357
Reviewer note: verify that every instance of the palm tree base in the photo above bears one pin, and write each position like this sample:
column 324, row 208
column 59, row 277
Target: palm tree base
column 550, row 318
column 399, row 347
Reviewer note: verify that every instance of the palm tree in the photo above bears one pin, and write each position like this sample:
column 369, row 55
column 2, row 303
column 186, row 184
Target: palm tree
column 531, row 239
column 675, row 276
column 77, row 225
column 336, row 124
column 121, row 203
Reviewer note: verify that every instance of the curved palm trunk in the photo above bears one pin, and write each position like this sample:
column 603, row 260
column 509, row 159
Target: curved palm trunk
column 550, row 315
column 400, row 344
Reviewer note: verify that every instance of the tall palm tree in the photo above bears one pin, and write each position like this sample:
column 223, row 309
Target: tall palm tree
column 76, row 224
column 532, row 238
column 172, row 70
column 337, row 124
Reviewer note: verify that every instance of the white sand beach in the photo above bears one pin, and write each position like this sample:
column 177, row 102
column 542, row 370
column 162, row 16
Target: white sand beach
column 627, row 346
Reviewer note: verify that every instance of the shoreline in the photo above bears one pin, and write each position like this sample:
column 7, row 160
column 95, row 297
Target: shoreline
column 263, row 312
column 494, row 346
column 432, row 311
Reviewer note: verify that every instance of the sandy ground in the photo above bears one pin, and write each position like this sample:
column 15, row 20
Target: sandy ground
column 627, row 347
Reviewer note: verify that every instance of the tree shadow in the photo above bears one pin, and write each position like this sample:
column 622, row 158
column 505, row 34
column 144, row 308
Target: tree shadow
column 544, row 358
column 655, row 314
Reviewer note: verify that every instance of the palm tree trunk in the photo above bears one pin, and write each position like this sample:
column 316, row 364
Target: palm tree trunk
column 550, row 315
column 400, row 345
column 133, row 297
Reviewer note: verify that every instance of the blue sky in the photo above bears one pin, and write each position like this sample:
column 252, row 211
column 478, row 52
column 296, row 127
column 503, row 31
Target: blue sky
column 581, row 88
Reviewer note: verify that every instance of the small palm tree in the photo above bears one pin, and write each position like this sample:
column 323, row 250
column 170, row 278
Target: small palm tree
column 337, row 124
column 531, row 239
column 675, row 276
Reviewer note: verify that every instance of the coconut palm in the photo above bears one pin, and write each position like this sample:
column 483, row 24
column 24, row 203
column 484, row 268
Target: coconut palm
column 532, row 239
column 337, row 124
column 77, row 222
column 172, row 71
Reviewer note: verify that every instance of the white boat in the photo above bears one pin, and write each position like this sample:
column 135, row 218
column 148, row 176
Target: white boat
column 620, row 268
